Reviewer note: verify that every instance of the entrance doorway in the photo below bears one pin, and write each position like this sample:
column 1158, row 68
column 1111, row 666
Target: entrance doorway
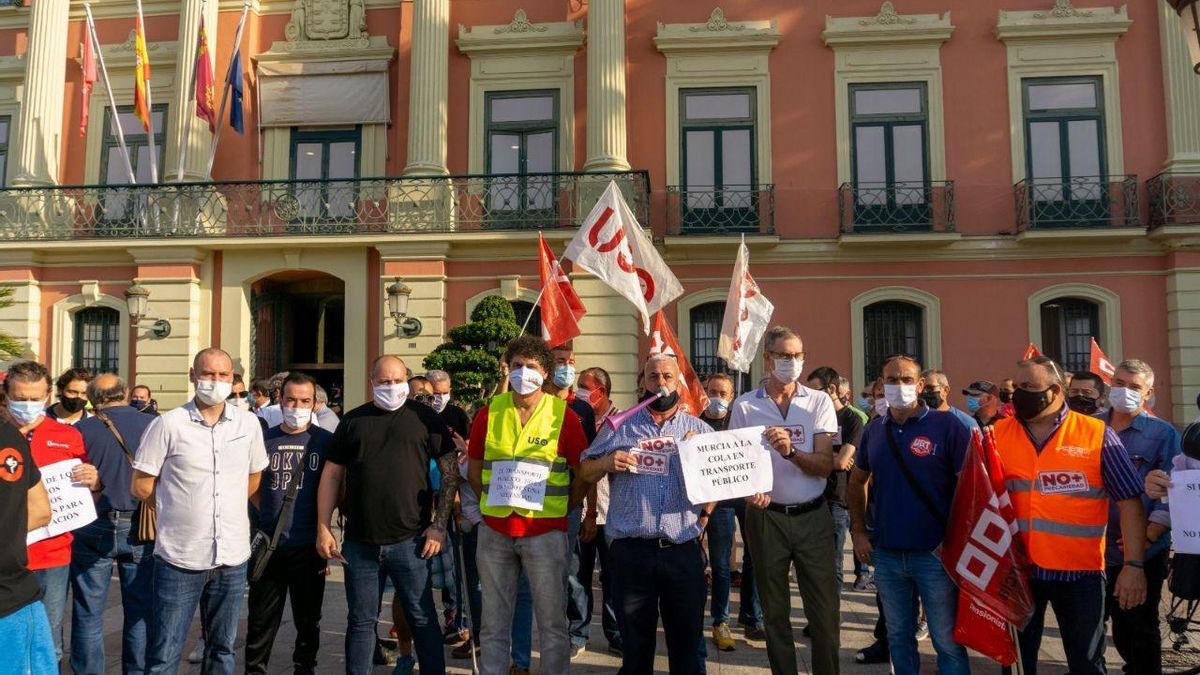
column 298, row 324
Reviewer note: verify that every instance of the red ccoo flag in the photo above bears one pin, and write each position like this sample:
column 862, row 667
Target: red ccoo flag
column 1031, row 352
column 89, row 77
column 561, row 307
column 204, row 81
column 663, row 341
column 1100, row 364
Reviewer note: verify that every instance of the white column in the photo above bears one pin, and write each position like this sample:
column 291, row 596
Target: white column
column 428, row 84
column 183, row 109
column 1182, row 89
column 39, row 134
column 606, row 148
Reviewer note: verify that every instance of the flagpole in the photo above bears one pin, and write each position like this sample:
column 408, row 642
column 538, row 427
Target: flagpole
column 237, row 48
column 149, row 108
column 185, row 119
column 1012, row 632
column 112, row 103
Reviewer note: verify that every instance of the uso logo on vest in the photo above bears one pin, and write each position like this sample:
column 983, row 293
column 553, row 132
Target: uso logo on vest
column 921, row 446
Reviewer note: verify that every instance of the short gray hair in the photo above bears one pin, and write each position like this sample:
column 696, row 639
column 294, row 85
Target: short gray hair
column 437, row 376
column 320, row 394
column 276, row 381
column 662, row 357
column 1138, row 367
column 937, row 376
column 776, row 333
column 100, row 397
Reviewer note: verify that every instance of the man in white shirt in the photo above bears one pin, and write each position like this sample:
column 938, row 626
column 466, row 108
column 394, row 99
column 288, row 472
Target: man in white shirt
column 322, row 415
column 791, row 525
column 199, row 463
column 272, row 413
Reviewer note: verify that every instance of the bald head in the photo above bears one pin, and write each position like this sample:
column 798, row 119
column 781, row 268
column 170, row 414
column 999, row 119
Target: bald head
column 388, row 369
column 106, row 390
column 212, row 364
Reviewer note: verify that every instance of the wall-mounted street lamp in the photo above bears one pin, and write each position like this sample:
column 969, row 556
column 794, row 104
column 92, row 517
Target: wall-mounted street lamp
column 398, row 295
column 137, row 299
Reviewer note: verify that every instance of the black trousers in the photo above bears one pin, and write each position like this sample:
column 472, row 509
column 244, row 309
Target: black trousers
column 651, row 579
column 296, row 572
column 1136, row 632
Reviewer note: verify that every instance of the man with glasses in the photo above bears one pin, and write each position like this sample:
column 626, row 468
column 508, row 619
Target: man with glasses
column 936, row 395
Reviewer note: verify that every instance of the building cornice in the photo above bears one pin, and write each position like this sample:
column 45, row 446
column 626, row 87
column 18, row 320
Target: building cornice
column 518, row 35
column 887, row 27
column 717, row 33
column 1063, row 21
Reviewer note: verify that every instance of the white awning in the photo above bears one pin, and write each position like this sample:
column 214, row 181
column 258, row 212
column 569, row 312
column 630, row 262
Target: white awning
column 325, row 93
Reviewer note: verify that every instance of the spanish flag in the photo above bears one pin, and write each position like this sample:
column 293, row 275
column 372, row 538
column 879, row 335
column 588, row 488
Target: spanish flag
column 141, row 77
column 204, row 82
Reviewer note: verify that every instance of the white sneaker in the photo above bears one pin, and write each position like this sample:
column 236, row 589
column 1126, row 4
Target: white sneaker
column 197, row 655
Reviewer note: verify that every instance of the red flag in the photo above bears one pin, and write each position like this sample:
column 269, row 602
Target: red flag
column 1031, row 352
column 141, row 76
column 89, row 77
column 561, row 307
column 204, row 82
column 979, row 628
column 663, row 341
column 1100, row 364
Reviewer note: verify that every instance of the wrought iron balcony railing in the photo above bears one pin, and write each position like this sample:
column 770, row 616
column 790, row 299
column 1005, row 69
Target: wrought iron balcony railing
column 1173, row 199
column 731, row 209
column 302, row 207
column 1078, row 202
column 870, row 208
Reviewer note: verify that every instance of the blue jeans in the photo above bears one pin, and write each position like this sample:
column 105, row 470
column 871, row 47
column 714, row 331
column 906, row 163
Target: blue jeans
column 409, row 572
column 55, row 581
column 721, row 530
column 579, row 621
column 902, row 577
column 28, row 648
column 522, row 625
column 96, row 547
column 177, row 593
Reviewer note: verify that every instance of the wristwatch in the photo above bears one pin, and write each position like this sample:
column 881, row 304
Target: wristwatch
column 791, row 453
column 1138, row 564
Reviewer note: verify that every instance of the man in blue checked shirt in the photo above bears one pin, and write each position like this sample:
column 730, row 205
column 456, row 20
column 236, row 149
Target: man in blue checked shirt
column 654, row 529
column 1151, row 444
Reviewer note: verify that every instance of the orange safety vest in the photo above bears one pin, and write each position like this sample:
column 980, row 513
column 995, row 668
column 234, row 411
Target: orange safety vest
column 1058, row 494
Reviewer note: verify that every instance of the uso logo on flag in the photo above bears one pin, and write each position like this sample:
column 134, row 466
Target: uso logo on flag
column 921, row 446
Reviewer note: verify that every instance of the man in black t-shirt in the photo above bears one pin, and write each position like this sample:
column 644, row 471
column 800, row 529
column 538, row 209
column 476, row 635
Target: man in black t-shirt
column 455, row 417
column 845, row 443
column 24, row 628
column 381, row 452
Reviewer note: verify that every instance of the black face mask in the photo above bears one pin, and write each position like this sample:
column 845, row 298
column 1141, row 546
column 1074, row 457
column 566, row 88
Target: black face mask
column 1005, row 396
column 72, row 405
column 1084, row 404
column 139, row 405
column 1030, row 404
column 663, row 403
column 933, row 399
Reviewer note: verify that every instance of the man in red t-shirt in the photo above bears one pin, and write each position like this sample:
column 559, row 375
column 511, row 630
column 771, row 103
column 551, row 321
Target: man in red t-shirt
column 522, row 450
column 27, row 388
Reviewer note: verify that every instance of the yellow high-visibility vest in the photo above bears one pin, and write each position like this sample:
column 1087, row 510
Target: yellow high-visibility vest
column 536, row 444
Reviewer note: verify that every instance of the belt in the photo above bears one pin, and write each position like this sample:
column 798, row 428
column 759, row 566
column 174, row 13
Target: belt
column 796, row 509
column 661, row 542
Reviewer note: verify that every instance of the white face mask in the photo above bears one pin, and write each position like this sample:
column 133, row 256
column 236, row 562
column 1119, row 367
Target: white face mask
column 212, row 392
column 390, row 396
column 881, row 406
column 902, row 396
column 440, row 401
column 297, row 418
column 1125, row 400
column 525, row 380
column 788, row 371
column 25, row 412
column 717, row 407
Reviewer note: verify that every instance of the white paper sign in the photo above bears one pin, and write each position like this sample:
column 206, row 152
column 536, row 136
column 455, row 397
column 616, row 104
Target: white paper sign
column 1184, row 500
column 726, row 465
column 652, row 457
column 71, row 505
column 520, row 485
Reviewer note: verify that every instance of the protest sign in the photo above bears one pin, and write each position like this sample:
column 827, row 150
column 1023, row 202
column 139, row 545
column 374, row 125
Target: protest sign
column 726, row 465
column 520, row 485
column 652, row 457
column 1184, row 499
column 71, row 505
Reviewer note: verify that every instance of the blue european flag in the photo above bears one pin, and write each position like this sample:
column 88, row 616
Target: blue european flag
column 237, row 117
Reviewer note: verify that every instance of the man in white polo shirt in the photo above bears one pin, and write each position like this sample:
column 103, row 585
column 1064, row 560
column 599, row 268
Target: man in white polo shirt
column 791, row 524
column 199, row 463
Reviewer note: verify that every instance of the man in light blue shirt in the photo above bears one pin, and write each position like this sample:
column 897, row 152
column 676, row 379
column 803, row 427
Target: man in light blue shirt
column 654, row 528
column 937, row 396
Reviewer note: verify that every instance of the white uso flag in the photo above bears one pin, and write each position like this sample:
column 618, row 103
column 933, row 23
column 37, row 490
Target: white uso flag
column 612, row 245
column 747, row 313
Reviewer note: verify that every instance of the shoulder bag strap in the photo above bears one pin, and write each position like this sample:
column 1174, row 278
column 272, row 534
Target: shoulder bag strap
column 912, row 480
column 289, row 500
column 120, row 439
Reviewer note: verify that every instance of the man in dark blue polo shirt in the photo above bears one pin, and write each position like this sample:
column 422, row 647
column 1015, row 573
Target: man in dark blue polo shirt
column 112, row 537
column 913, row 456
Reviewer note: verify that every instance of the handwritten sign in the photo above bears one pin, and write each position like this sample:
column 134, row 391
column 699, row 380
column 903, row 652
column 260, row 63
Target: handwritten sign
column 652, row 457
column 1184, row 499
column 726, row 465
column 521, row 485
column 71, row 505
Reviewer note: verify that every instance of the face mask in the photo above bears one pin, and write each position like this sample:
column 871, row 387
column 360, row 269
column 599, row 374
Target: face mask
column 525, row 380
column 586, row 395
column 440, row 401
column 564, row 376
column 717, row 407
column 881, row 406
column 240, row 401
column 139, row 405
column 390, row 396
column 973, row 404
column 933, row 399
column 1125, row 400
column 1030, row 404
column 665, row 402
column 902, row 396
column 864, row 404
column 1006, row 396
column 1084, row 404
column 72, row 405
column 297, row 418
column 788, row 370
column 212, row 392
column 25, row 412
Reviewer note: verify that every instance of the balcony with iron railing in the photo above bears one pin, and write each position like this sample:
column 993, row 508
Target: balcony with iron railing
column 877, row 208
column 1173, row 198
column 730, row 209
column 362, row 206
column 1077, row 203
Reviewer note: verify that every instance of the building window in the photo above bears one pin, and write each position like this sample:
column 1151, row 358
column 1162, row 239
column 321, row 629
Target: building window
column 97, row 339
column 717, row 139
column 889, row 328
column 706, row 322
column 521, row 130
column 121, row 207
column 890, row 153
column 1068, row 327
column 324, row 156
column 5, row 131
column 1065, row 156
column 522, row 309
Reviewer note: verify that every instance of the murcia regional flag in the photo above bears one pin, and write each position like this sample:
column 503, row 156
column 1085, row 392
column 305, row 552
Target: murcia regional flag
column 612, row 245
column 747, row 313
